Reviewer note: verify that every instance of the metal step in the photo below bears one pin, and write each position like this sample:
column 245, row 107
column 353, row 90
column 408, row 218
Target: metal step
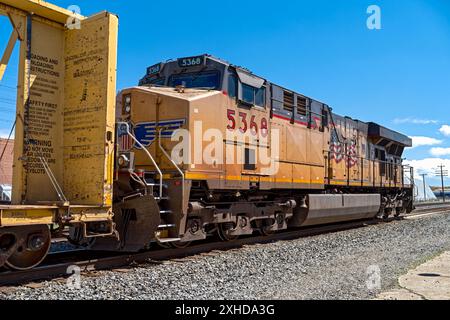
column 161, row 198
column 156, row 185
column 166, row 226
column 165, row 240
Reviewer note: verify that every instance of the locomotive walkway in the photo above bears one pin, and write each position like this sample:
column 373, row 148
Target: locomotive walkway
column 429, row 281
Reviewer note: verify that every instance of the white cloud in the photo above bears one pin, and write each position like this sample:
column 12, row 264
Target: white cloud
column 445, row 130
column 440, row 152
column 424, row 141
column 415, row 121
column 427, row 166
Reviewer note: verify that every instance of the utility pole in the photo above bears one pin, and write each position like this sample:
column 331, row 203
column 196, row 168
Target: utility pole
column 442, row 173
column 424, row 186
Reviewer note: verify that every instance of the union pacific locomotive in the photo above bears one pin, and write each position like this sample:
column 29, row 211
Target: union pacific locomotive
column 205, row 147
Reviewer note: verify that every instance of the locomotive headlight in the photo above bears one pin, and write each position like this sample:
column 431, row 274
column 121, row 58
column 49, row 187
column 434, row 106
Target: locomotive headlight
column 123, row 161
column 127, row 104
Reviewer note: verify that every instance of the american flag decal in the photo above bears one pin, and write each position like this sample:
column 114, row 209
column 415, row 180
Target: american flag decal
column 336, row 147
column 124, row 139
column 352, row 158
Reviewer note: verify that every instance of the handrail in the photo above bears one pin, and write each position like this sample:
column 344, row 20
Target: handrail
column 127, row 126
column 173, row 162
column 397, row 166
column 53, row 180
column 364, row 158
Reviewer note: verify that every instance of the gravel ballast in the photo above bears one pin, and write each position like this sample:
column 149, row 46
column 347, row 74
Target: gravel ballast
column 340, row 265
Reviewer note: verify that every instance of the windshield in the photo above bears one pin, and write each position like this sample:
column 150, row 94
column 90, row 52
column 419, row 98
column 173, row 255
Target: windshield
column 153, row 81
column 191, row 80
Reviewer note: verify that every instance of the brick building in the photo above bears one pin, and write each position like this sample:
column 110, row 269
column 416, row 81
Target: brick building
column 6, row 162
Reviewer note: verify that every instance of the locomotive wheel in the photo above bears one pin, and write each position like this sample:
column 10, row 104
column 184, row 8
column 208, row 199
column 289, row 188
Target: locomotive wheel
column 265, row 231
column 164, row 245
column 264, row 228
column 387, row 213
column 180, row 245
column 223, row 234
column 32, row 247
column 399, row 212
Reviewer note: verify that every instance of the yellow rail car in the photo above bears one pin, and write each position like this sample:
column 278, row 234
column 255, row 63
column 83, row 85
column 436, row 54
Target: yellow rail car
column 64, row 136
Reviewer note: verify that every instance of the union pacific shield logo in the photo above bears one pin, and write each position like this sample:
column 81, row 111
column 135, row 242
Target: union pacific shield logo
column 145, row 132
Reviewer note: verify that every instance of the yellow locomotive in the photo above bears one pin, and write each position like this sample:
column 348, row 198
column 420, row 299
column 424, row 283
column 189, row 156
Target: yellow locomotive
column 201, row 147
column 216, row 148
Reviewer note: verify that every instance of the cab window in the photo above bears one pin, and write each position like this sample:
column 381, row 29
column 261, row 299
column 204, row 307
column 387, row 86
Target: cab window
column 260, row 97
column 209, row 80
column 153, row 81
column 232, row 86
column 248, row 94
column 254, row 96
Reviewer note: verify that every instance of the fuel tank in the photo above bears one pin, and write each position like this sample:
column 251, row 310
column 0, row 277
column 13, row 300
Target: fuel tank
column 331, row 208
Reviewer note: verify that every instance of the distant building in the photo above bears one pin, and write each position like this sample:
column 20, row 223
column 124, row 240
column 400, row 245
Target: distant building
column 6, row 163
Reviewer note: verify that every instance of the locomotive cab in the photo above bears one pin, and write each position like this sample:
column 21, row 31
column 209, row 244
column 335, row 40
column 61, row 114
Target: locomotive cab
column 209, row 73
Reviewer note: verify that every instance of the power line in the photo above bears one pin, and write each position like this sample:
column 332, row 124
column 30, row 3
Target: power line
column 424, row 186
column 9, row 139
column 7, row 104
column 7, row 100
column 13, row 101
column 440, row 172
column 7, row 87
column 9, row 107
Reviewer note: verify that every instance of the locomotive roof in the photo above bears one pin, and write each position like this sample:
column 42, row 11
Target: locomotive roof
column 374, row 130
column 377, row 131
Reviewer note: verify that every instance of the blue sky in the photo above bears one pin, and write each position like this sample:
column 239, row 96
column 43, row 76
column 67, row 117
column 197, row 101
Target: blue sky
column 398, row 76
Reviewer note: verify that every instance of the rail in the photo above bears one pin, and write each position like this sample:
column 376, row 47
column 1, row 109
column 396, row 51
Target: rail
column 58, row 264
column 127, row 126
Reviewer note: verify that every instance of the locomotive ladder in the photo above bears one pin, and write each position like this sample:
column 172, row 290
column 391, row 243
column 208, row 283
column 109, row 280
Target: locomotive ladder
column 168, row 212
column 160, row 185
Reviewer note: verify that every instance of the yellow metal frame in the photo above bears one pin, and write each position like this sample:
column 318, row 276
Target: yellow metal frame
column 11, row 216
column 43, row 9
column 50, row 39
column 27, row 215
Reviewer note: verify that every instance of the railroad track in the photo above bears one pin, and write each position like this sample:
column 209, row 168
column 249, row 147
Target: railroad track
column 431, row 205
column 57, row 264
